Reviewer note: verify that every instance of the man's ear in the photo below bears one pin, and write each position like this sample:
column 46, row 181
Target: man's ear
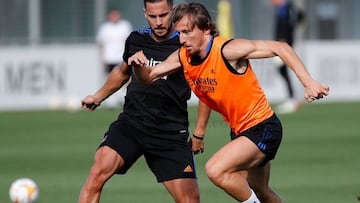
column 208, row 32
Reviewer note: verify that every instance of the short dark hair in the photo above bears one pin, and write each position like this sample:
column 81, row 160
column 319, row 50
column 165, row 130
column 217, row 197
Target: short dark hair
column 170, row 2
column 198, row 15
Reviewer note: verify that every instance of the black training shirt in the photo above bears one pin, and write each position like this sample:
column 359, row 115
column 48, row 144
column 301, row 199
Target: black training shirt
column 161, row 105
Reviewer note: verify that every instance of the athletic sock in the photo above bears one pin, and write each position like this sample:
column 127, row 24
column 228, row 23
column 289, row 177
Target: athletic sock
column 252, row 198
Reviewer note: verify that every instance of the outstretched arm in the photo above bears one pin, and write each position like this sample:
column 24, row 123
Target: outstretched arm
column 265, row 49
column 116, row 79
column 148, row 74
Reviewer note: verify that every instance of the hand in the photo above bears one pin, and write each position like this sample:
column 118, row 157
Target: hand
column 138, row 59
column 314, row 91
column 90, row 103
column 196, row 144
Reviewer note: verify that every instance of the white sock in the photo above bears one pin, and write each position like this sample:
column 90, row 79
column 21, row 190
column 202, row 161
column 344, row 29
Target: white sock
column 252, row 198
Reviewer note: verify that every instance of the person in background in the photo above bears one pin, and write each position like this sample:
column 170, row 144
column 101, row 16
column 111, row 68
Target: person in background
column 154, row 122
column 110, row 40
column 287, row 17
column 219, row 72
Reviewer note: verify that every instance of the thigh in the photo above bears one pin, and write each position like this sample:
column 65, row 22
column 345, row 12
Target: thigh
column 258, row 177
column 183, row 190
column 266, row 136
column 169, row 156
column 106, row 162
column 239, row 154
column 122, row 138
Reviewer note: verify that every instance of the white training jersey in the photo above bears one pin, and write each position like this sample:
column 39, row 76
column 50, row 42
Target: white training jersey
column 112, row 37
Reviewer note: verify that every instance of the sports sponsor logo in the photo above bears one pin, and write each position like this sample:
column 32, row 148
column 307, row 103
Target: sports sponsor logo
column 188, row 169
column 152, row 63
column 206, row 85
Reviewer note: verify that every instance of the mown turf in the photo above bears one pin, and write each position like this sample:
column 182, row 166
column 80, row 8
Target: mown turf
column 318, row 160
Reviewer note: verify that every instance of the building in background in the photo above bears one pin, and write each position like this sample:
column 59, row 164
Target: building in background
column 75, row 21
column 47, row 45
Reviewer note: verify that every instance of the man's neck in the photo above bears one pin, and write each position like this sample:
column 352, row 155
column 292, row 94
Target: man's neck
column 206, row 46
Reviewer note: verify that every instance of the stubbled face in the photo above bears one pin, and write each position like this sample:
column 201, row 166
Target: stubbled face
column 158, row 16
column 193, row 39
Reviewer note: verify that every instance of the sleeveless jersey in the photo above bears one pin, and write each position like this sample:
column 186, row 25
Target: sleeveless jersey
column 161, row 105
column 237, row 97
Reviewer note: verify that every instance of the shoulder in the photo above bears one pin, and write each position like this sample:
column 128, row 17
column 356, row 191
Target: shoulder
column 126, row 24
column 238, row 44
column 237, row 48
column 139, row 34
column 144, row 31
column 228, row 44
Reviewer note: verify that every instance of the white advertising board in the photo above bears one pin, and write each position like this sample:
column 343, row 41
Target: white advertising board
column 59, row 76
column 47, row 77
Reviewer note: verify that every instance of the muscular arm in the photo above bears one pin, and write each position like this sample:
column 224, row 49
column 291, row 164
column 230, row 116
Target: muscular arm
column 147, row 74
column 240, row 49
column 116, row 79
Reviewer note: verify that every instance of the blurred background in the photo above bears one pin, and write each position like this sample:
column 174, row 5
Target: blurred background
column 49, row 58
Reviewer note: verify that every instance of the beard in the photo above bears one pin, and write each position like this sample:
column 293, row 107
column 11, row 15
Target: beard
column 161, row 33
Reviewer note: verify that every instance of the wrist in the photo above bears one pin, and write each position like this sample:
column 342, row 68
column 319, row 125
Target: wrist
column 198, row 137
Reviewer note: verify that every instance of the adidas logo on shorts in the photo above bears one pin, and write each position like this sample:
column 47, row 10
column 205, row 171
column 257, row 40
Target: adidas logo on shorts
column 188, row 169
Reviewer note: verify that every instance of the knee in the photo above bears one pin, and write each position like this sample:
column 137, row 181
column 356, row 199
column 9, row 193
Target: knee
column 97, row 177
column 215, row 173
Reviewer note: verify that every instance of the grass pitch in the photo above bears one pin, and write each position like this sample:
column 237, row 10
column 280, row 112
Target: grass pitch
column 318, row 160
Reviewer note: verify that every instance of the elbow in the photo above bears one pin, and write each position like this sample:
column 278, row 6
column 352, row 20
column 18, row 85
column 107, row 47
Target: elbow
column 280, row 48
column 284, row 45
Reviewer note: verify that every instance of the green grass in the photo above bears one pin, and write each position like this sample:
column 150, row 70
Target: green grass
column 318, row 160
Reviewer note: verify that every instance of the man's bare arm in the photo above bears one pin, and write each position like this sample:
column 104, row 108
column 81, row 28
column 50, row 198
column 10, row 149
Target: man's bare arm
column 116, row 79
column 240, row 49
column 147, row 74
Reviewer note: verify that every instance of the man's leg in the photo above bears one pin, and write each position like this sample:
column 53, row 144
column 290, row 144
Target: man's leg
column 228, row 167
column 291, row 104
column 285, row 75
column 106, row 162
column 184, row 190
column 258, row 179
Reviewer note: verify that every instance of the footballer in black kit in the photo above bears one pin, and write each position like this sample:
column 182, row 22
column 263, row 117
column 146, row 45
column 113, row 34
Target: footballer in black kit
column 163, row 104
column 154, row 121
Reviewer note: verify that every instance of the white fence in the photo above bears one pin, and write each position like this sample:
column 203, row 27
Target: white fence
column 59, row 76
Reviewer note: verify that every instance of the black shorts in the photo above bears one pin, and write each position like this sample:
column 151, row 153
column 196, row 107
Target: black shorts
column 266, row 135
column 167, row 154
